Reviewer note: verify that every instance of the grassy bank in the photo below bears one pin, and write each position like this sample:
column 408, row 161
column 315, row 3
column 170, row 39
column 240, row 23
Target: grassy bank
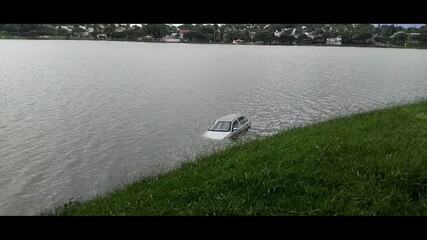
column 367, row 164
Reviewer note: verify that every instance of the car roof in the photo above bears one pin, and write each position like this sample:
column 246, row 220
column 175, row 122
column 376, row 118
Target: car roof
column 229, row 117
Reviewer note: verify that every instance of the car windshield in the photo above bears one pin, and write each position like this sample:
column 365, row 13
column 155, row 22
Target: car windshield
column 220, row 126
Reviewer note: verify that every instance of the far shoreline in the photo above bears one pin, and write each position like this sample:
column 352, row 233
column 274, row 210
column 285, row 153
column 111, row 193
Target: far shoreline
column 219, row 43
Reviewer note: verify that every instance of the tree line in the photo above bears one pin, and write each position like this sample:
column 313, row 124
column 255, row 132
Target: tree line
column 301, row 34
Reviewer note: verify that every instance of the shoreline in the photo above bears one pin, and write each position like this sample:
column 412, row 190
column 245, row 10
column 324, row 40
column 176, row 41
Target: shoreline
column 354, row 165
column 244, row 44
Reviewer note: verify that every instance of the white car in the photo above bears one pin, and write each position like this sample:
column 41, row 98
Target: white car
column 227, row 126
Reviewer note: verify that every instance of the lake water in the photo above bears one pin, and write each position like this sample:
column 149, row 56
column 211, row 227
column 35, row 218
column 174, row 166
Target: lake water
column 79, row 118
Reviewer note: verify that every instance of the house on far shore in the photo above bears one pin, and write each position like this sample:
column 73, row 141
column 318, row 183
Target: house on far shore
column 120, row 29
column 309, row 35
column 171, row 38
column 85, row 34
column 334, row 41
column 183, row 33
column 237, row 41
column 69, row 30
column 414, row 37
column 101, row 36
column 277, row 33
column 379, row 44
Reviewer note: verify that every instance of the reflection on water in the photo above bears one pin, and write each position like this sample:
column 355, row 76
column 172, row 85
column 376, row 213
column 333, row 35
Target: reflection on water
column 78, row 118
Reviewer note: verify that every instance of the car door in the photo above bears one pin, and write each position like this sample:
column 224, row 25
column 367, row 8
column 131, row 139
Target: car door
column 235, row 125
column 243, row 123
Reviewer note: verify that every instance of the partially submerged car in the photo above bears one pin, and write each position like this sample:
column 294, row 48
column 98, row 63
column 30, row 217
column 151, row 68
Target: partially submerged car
column 227, row 126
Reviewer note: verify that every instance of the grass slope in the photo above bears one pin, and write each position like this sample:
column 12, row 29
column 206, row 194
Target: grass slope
column 367, row 164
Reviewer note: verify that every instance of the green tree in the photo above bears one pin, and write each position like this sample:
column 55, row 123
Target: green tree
column 277, row 27
column 14, row 29
column 423, row 36
column 304, row 39
column 119, row 35
column 322, row 35
column 346, row 34
column 77, row 31
column 231, row 35
column 286, row 38
column 156, row 30
column 264, row 36
column 135, row 32
column 247, row 36
column 34, row 30
column 379, row 38
column 216, row 33
column 109, row 29
column 387, row 30
column 196, row 36
column 399, row 38
column 62, row 32
column 186, row 27
column 363, row 32
column 221, row 34
column 208, row 31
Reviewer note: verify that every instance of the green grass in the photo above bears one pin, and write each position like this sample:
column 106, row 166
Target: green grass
column 366, row 164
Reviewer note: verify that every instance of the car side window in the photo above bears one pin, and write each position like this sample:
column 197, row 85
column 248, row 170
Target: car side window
column 242, row 120
column 236, row 124
column 245, row 119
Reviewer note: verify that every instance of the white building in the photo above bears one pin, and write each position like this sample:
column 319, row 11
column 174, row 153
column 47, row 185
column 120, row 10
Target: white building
column 309, row 35
column 171, row 40
column 252, row 34
column 174, row 37
column 413, row 37
column 65, row 28
column 101, row 36
column 293, row 32
column 120, row 29
column 334, row 41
